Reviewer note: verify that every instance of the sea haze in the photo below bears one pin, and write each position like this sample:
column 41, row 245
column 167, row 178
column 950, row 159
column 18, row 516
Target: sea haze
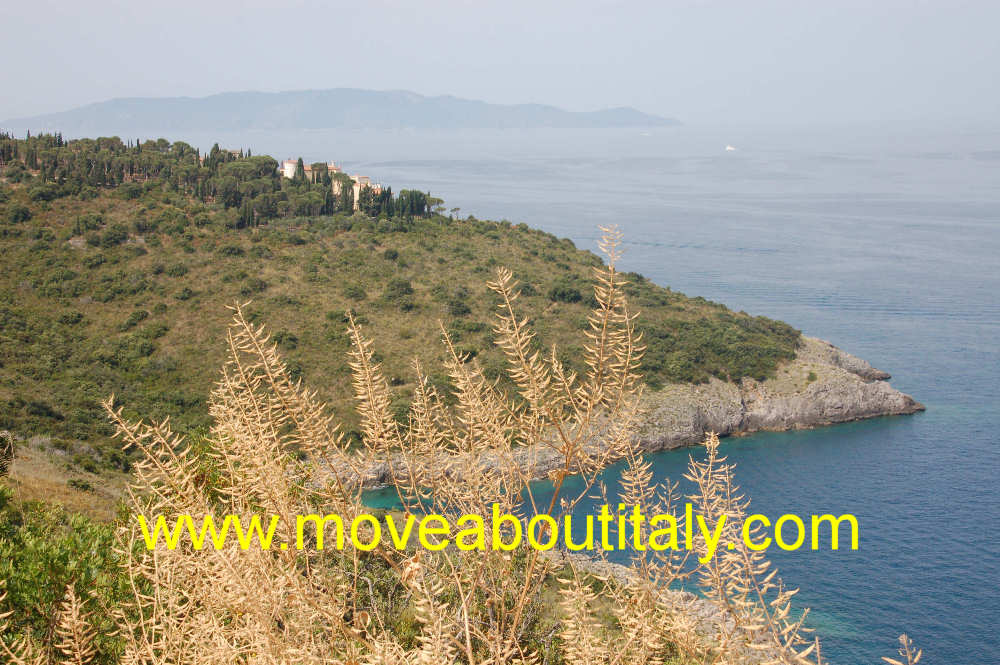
column 886, row 245
column 341, row 108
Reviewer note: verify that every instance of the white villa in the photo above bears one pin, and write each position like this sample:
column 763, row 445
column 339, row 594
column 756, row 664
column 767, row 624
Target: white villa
column 288, row 169
column 358, row 182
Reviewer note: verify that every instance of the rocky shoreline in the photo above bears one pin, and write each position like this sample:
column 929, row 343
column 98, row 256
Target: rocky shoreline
column 823, row 385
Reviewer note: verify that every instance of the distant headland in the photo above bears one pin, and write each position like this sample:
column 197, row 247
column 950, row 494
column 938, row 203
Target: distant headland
column 338, row 108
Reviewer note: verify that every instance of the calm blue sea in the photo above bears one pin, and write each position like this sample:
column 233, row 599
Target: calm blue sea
column 886, row 243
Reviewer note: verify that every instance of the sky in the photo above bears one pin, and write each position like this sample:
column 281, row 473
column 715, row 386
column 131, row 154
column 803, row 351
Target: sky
column 747, row 62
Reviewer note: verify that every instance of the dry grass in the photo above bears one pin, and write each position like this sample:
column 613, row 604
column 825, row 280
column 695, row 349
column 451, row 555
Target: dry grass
column 37, row 474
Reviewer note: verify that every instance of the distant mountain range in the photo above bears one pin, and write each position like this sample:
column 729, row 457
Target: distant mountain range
column 340, row 108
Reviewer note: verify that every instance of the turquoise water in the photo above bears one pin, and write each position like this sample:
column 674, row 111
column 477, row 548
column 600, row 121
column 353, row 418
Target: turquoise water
column 888, row 245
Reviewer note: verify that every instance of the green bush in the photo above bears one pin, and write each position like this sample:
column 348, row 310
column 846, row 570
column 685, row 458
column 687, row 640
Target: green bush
column 93, row 260
column 154, row 331
column 399, row 292
column 286, row 339
column 134, row 319
column 458, row 307
column 397, row 289
column 252, row 286
column 130, row 190
column 18, row 213
column 115, row 234
column 565, row 291
column 355, row 292
column 70, row 318
column 88, row 222
column 45, row 192
column 80, row 484
column 42, row 550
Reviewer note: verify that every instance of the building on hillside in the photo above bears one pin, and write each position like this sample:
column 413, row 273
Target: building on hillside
column 289, row 165
column 358, row 182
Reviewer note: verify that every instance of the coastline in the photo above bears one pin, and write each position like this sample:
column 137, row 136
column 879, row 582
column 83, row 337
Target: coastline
column 823, row 385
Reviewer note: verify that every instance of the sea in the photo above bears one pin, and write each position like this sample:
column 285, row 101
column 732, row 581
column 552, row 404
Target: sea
column 882, row 240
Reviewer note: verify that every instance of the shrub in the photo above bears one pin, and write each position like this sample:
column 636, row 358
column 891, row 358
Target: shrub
column 154, row 331
column 355, row 292
column 18, row 213
column 93, row 261
column 88, row 222
column 144, row 225
column 42, row 550
column 42, row 410
column 87, row 194
column 70, row 318
column 133, row 319
column 115, row 234
column 85, row 462
column 6, row 452
column 252, row 286
column 397, row 289
column 458, row 307
column 80, row 484
column 286, row 339
column 45, row 192
column 565, row 291
column 130, row 190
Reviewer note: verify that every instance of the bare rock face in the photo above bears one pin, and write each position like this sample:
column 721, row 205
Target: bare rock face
column 822, row 386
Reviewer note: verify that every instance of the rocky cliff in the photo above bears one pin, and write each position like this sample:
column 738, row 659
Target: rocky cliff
column 823, row 385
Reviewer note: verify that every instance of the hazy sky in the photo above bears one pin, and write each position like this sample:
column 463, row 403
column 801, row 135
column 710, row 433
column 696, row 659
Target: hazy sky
column 877, row 61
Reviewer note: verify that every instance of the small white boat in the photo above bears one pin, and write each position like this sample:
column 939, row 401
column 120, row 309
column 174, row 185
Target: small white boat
column 730, row 148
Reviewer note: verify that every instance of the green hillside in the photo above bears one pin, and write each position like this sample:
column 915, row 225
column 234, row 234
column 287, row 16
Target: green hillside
column 119, row 261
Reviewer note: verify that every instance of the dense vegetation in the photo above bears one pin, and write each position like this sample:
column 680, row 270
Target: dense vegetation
column 119, row 259
column 43, row 548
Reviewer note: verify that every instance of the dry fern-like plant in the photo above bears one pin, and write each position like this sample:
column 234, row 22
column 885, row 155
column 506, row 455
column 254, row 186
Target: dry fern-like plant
column 74, row 632
column 274, row 451
column 741, row 580
column 276, row 606
column 910, row 655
